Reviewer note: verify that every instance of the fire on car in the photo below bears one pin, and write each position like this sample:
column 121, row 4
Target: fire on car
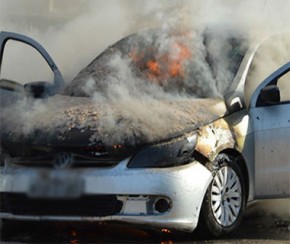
column 141, row 135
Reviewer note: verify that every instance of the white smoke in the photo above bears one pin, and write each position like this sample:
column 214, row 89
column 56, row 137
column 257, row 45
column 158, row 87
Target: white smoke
column 74, row 32
column 72, row 36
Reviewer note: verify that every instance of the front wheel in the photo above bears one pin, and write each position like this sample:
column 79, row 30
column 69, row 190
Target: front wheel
column 224, row 201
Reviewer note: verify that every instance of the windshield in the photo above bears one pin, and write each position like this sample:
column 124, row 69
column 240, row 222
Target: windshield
column 199, row 65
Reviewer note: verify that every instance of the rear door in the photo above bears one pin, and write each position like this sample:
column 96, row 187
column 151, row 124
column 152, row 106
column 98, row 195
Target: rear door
column 270, row 118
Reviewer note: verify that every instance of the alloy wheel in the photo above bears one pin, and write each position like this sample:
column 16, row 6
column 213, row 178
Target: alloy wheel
column 226, row 196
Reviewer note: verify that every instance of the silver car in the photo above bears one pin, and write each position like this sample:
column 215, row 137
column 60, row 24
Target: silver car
column 200, row 171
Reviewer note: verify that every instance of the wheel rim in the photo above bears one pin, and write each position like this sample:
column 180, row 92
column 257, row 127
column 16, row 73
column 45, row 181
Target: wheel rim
column 226, row 196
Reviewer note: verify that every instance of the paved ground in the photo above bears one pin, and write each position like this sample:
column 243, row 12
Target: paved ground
column 258, row 226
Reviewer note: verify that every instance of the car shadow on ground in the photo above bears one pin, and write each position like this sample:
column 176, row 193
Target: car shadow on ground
column 257, row 227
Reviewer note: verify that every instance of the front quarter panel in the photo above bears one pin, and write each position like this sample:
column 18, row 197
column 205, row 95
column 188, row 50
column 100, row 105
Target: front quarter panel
column 231, row 134
column 214, row 138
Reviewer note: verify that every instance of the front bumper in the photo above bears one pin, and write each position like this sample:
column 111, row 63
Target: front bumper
column 180, row 188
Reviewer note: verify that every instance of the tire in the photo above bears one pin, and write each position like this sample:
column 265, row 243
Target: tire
column 224, row 202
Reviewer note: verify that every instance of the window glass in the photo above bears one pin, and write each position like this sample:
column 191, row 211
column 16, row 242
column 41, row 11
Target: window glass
column 23, row 64
column 284, row 86
column 270, row 56
column 196, row 65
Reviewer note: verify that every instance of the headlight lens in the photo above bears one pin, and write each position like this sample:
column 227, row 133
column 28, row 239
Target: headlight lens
column 171, row 153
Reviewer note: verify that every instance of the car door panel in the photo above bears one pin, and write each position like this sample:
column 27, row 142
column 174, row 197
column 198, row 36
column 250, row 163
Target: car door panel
column 58, row 81
column 272, row 150
column 271, row 126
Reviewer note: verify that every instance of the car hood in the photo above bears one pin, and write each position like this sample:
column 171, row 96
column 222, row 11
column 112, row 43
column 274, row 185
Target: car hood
column 65, row 121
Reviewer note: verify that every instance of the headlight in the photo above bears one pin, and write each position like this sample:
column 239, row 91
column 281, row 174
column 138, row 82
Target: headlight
column 171, row 153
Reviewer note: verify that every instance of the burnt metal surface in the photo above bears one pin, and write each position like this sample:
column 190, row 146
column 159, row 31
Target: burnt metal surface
column 74, row 122
column 214, row 138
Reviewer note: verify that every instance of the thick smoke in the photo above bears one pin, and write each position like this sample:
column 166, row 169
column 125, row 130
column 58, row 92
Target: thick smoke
column 75, row 32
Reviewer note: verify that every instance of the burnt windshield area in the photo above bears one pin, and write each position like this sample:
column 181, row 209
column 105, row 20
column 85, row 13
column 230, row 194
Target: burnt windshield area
column 199, row 65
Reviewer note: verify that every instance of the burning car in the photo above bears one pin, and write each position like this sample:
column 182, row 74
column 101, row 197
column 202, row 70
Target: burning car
column 142, row 136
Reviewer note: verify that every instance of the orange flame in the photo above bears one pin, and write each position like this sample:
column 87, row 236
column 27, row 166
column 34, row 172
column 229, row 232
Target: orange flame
column 74, row 234
column 160, row 67
column 183, row 54
column 166, row 231
column 154, row 67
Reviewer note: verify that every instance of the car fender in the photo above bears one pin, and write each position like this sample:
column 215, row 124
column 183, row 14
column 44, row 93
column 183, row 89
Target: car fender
column 214, row 138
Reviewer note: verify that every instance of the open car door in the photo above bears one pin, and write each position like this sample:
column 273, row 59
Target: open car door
column 270, row 118
column 38, row 88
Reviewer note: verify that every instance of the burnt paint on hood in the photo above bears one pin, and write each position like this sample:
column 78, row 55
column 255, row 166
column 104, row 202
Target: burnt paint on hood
column 65, row 121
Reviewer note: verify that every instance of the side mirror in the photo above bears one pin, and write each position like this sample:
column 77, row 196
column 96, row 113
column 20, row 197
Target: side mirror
column 269, row 95
column 39, row 89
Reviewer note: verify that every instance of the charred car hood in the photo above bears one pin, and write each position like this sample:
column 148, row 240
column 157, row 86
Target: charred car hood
column 64, row 121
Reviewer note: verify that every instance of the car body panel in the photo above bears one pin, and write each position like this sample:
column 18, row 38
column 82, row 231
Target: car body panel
column 272, row 160
column 214, row 138
column 183, row 185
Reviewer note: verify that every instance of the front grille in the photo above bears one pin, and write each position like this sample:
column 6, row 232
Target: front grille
column 90, row 205
column 78, row 162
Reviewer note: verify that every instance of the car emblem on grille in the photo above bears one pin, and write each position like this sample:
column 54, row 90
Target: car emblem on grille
column 63, row 160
